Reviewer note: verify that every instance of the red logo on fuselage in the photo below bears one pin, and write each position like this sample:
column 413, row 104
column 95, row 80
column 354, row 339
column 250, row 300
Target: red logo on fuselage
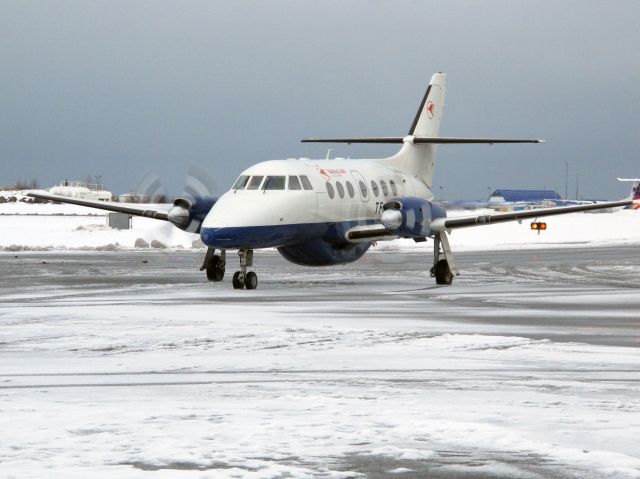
column 324, row 174
column 327, row 173
column 430, row 109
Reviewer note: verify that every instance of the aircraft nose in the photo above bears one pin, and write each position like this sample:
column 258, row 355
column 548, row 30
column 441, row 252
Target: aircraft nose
column 211, row 236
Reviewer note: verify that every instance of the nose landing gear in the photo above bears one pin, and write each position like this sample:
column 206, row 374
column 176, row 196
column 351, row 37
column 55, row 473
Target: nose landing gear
column 214, row 264
column 243, row 278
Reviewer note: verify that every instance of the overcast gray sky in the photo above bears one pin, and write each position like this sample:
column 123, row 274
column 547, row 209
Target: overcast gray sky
column 122, row 88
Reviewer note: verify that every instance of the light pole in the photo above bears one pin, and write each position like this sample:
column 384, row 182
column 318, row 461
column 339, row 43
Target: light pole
column 566, row 180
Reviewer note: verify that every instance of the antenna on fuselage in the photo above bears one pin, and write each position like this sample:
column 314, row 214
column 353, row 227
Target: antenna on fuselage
column 328, row 153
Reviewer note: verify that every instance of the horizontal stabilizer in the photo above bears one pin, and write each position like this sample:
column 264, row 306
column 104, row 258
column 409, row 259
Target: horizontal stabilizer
column 419, row 140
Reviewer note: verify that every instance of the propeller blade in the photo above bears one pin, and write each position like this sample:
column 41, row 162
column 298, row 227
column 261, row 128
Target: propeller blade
column 199, row 183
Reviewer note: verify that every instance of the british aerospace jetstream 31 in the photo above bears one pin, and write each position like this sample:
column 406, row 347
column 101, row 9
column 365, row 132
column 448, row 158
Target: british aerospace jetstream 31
column 327, row 212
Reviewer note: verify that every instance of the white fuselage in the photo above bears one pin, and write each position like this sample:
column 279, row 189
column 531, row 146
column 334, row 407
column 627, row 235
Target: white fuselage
column 359, row 188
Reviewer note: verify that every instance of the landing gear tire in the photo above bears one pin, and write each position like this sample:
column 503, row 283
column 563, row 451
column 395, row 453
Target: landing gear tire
column 251, row 280
column 237, row 284
column 215, row 269
column 442, row 272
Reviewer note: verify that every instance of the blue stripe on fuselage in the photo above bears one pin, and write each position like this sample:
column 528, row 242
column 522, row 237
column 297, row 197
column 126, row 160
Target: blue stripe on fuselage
column 255, row 237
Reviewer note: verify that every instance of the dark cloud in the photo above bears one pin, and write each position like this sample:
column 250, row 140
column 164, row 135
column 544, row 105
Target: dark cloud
column 123, row 88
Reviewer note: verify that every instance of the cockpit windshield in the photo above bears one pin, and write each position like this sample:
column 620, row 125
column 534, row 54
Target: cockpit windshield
column 254, row 183
column 240, row 183
column 274, row 183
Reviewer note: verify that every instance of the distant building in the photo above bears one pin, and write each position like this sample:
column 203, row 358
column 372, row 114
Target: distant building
column 524, row 196
column 133, row 197
column 81, row 189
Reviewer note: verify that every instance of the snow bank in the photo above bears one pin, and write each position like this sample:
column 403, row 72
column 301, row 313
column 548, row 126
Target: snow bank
column 571, row 230
column 27, row 226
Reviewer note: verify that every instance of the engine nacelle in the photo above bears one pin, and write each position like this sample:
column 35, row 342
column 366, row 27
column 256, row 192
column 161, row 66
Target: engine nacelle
column 188, row 214
column 410, row 217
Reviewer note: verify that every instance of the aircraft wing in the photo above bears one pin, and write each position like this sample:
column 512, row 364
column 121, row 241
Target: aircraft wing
column 446, row 224
column 103, row 205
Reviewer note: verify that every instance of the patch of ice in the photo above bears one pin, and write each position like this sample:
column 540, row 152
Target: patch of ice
column 407, row 453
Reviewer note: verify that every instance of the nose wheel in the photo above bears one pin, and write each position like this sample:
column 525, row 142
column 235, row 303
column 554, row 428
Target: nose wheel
column 214, row 264
column 243, row 278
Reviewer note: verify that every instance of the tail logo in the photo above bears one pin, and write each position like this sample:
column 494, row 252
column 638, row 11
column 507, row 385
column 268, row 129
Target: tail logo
column 430, row 109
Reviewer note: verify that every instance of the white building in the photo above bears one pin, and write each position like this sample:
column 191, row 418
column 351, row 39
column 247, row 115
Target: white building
column 81, row 189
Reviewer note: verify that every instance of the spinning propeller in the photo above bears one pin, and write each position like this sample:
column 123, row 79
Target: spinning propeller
column 188, row 210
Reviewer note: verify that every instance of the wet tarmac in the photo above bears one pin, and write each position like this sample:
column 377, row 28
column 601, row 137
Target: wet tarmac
column 527, row 366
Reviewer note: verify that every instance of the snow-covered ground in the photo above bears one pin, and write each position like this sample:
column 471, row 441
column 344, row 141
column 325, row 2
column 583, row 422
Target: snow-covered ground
column 126, row 363
column 27, row 226
column 54, row 227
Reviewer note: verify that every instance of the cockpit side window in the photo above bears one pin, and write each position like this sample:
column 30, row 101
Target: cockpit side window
column 240, row 183
column 306, row 184
column 294, row 183
column 274, row 183
column 254, row 182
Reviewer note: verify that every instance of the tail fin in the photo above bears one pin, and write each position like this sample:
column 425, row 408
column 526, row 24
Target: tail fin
column 418, row 153
column 418, row 159
column 427, row 120
column 635, row 188
column 634, row 194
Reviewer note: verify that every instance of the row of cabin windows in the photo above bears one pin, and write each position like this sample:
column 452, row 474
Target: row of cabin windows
column 363, row 189
column 272, row 183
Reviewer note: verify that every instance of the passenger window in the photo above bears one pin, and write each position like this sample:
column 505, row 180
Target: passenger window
column 330, row 190
column 240, row 183
column 392, row 184
column 306, row 184
column 254, row 182
column 374, row 188
column 385, row 190
column 294, row 183
column 350, row 189
column 274, row 183
column 340, row 189
column 363, row 189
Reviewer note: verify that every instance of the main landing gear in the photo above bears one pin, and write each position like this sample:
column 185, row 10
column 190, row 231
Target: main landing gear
column 214, row 265
column 243, row 278
column 444, row 268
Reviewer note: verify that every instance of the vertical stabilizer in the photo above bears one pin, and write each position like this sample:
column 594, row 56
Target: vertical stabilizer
column 418, row 153
column 427, row 119
column 634, row 194
column 419, row 159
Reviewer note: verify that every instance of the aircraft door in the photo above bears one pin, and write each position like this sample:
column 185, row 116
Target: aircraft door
column 322, row 206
